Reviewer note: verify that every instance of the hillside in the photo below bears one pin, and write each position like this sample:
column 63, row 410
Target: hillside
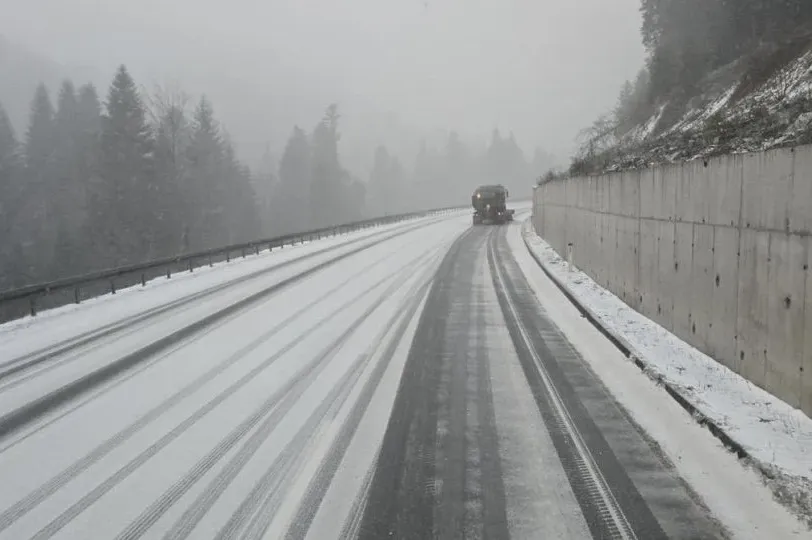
column 759, row 101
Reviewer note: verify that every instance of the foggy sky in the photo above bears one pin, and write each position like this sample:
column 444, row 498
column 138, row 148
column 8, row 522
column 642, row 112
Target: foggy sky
column 541, row 68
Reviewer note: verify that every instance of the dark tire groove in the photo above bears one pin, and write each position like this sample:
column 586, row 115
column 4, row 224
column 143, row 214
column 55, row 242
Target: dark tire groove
column 631, row 503
column 495, row 523
column 404, row 501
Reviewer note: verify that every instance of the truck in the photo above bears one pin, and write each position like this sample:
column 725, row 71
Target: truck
column 490, row 205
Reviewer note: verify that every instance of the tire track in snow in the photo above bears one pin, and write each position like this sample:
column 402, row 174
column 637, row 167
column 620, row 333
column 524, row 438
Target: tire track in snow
column 109, row 331
column 352, row 525
column 318, row 485
column 492, row 497
column 25, row 505
column 35, row 358
column 291, row 391
column 278, row 405
column 293, row 452
column 25, row 414
column 402, row 493
column 153, row 361
column 575, row 437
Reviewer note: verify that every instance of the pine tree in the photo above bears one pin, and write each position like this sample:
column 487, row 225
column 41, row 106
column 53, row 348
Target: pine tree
column 10, row 271
column 39, row 142
column 241, row 218
column 69, row 208
column 37, row 195
column 8, row 141
column 175, row 211
column 206, row 164
column 123, row 199
column 326, row 195
column 290, row 206
column 89, row 111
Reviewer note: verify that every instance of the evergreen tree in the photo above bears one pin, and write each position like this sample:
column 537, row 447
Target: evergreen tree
column 11, row 266
column 264, row 183
column 241, row 218
column 291, row 204
column 8, row 143
column 175, row 211
column 39, row 142
column 123, row 199
column 35, row 221
column 68, row 188
column 206, row 171
column 327, row 177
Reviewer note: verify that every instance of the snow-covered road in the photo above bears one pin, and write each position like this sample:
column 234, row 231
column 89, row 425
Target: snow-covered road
column 400, row 382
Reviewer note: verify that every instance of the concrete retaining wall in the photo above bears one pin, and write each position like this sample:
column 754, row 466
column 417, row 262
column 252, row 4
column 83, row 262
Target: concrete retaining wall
column 718, row 252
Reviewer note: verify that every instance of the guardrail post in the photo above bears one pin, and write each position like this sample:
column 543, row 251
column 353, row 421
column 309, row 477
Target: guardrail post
column 191, row 266
column 32, row 304
column 210, row 263
column 569, row 256
column 76, row 295
column 270, row 246
column 243, row 253
column 168, row 271
column 228, row 256
column 143, row 279
column 256, row 249
column 112, row 286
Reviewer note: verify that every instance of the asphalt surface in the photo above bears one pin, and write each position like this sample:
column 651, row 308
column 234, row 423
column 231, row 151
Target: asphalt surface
column 457, row 460
column 403, row 384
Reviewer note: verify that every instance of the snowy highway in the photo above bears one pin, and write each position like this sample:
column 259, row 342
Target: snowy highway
column 399, row 382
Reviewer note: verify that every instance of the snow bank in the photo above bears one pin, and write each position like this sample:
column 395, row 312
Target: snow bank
column 771, row 435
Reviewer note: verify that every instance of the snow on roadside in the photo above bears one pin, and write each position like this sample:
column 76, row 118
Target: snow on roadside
column 777, row 437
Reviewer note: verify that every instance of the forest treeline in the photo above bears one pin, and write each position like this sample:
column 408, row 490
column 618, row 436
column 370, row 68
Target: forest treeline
column 685, row 41
column 100, row 182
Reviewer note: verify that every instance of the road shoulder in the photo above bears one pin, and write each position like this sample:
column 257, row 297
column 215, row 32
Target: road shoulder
column 735, row 495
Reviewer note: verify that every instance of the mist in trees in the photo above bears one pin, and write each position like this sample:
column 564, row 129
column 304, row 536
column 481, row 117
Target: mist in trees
column 140, row 175
column 686, row 39
column 95, row 185
column 447, row 174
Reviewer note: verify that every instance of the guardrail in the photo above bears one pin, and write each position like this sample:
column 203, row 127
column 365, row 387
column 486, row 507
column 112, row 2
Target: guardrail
column 186, row 262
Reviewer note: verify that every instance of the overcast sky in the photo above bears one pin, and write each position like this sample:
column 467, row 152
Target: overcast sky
column 541, row 68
